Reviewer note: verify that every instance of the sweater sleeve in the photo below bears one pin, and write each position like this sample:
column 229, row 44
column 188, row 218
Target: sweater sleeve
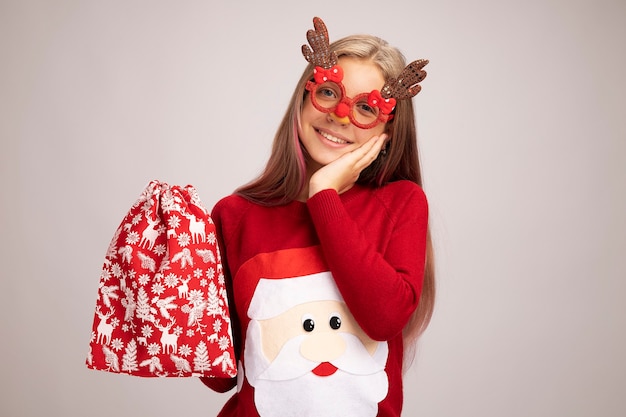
column 224, row 384
column 381, row 290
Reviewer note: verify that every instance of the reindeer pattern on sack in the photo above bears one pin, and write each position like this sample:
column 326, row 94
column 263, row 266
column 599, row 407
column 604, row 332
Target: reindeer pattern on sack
column 162, row 307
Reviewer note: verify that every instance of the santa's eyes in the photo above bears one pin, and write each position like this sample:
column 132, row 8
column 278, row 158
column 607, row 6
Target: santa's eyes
column 308, row 323
column 335, row 322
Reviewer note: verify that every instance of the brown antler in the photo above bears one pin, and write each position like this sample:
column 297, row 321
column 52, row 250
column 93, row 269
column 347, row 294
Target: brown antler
column 321, row 54
column 406, row 85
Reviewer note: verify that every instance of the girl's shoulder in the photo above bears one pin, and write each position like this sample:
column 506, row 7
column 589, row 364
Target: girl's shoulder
column 231, row 203
column 401, row 192
column 403, row 185
column 228, row 213
column 401, row 200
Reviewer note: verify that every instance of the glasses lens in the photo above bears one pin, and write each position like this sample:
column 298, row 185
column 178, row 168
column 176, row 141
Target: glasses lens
column 328, row 95
column 363, row 113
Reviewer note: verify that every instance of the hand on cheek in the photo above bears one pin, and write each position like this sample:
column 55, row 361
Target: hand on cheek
column 341, row 174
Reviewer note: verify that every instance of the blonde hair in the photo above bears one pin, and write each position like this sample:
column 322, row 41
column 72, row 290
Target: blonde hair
column 284, row 176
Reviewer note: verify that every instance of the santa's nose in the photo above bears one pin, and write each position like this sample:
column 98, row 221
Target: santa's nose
column 323, row 346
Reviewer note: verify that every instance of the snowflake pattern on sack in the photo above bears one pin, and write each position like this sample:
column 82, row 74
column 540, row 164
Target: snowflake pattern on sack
column 162, row 308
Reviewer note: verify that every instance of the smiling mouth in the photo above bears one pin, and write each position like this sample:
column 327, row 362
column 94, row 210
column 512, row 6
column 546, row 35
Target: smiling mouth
column 333, row 139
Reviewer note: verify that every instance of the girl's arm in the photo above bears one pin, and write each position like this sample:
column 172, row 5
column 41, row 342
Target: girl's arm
column 224, row 384
column 381, row 290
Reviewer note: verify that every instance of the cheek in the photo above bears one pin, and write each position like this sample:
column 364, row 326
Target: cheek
column 366, row 134
column 309, row 112
column 275, row 332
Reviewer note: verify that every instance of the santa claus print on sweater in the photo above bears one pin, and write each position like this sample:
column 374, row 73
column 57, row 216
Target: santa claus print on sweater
column 304, row 354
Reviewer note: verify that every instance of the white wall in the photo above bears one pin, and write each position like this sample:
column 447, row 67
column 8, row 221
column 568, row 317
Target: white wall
column 523, row 139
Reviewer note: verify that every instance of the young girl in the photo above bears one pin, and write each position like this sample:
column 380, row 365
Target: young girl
column 327, row 254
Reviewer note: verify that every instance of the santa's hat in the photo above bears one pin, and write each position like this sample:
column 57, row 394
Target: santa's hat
column 272, row 283
column 275, row 296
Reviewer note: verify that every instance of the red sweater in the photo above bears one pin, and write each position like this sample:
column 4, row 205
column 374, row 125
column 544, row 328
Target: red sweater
column 372, row 243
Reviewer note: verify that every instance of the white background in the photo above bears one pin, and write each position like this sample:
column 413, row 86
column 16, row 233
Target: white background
column 522, row 128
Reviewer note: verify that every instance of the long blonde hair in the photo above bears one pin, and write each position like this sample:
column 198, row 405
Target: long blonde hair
column 285, row 173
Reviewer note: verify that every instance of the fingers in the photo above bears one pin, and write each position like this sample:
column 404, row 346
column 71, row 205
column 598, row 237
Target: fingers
column 342, row 173
column 368, row 152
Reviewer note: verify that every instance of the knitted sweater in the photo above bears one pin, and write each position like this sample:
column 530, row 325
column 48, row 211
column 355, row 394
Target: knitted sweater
column 371, row 243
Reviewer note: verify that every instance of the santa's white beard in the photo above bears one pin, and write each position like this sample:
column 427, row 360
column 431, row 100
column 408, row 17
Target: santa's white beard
column 288, row 387
column 338, row 395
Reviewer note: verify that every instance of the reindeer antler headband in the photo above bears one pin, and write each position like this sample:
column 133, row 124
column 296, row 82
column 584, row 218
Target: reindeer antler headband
column 405, row 85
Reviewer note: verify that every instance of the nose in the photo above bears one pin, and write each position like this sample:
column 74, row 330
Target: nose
column 341, row 120
column 323, row 347
column 340, row 115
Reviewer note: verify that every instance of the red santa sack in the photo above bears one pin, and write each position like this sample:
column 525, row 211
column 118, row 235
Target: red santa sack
column 162, row 308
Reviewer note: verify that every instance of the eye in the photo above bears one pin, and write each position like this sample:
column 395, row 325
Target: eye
column 335, row 321
column 366, row 109
column 308, row 324
column 328, row 91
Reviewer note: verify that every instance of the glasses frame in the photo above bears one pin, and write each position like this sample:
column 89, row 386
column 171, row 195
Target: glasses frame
column 311, row 87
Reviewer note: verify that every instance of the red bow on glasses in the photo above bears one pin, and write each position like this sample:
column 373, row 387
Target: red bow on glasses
column 334, row 74
column 386, row 106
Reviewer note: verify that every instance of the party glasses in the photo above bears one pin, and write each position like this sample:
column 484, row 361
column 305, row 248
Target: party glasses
column 365, row 111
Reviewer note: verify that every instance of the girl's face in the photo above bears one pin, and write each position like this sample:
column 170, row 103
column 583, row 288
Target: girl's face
column 325, row 136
